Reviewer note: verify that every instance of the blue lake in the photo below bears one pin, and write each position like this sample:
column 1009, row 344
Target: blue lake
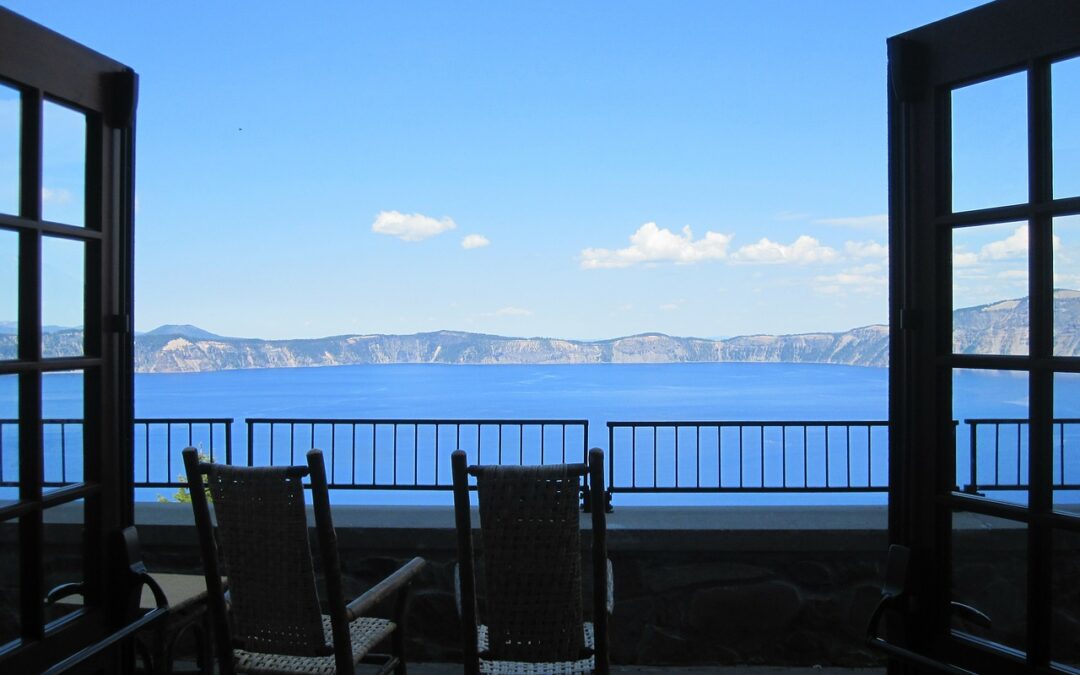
column 598, row 393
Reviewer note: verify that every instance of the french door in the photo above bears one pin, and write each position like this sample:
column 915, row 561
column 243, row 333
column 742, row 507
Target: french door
column 984, row 175
column 66, row 202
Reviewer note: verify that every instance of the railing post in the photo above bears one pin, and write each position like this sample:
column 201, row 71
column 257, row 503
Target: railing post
column 586, row 493
column 251, row 441
column 228, row 442
column 611, row 468
column 972, row 487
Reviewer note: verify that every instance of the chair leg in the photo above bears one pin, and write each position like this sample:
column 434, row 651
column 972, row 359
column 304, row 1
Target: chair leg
column 204, row 655
column 397, row 638
column 397, row 647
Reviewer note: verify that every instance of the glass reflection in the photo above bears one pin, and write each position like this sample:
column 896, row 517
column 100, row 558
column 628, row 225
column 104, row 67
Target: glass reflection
column 990, row 277
column 63, row 168
column 989, row 143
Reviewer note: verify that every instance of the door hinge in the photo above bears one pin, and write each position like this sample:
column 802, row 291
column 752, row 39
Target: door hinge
column 117, row 323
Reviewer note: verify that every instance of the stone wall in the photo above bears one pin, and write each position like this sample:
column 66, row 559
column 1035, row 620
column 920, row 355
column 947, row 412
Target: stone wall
column 746, row 585
column 750, row 586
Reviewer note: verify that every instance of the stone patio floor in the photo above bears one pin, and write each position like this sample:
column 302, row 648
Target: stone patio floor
column 447, row 668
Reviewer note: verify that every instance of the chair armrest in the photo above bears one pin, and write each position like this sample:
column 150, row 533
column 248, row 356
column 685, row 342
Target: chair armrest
column 875, row 618
column 160, row 601
column 457, row 587
column 63, row 591
column 78, row 658
column 384, row 588
column 969, row 613
column 610, row 588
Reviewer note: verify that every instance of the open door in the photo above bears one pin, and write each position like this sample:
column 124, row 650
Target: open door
column 66, row 201
column 985, row 462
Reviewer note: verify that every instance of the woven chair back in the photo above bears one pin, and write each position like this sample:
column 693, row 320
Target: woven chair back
column 263, row 539
column 532, row 561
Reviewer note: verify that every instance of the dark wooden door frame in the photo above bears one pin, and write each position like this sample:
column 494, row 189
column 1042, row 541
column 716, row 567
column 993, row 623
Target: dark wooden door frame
column 44, row 66
column 924, row 66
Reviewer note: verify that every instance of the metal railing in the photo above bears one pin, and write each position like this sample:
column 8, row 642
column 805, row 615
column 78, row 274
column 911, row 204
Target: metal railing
column 644, row 457
column 412, row 454
column 748, row 456
column 157, row 442
column 998, row 446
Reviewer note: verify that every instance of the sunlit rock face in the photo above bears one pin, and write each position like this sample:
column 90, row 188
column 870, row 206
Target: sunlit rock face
column 996, row 328
column 864, row 346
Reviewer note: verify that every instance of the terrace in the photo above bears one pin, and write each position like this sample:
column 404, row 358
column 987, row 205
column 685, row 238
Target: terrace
column 987, row 505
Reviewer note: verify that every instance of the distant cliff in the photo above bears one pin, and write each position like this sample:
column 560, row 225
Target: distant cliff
column 182, row 354
column 996, row 328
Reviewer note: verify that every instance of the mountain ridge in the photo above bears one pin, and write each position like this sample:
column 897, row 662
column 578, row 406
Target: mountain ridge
column 993, row 328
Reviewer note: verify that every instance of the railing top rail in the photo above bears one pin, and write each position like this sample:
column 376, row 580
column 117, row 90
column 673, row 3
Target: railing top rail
column 409, row 420
column 46, row 420
column 183, row 420
column 138, row 420
column 750, row 423
column 1017, row 420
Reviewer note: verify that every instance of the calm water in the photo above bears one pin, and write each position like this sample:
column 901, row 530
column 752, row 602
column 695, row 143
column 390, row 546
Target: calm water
column 599, row 393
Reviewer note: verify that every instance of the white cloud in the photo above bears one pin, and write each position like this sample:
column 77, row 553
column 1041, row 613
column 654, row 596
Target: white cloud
column 964, row 259
column 987, row 263
column 1013, row 246
column 803, row 250
column 669, row 306
column 877, row 220
column 863, row 279
column 998, row 268
column 866, row 249
column 410, row 226
column 1067, row 281
column 869, row 268
column 651, row 244
column 55, row 195
column 513, row 311
column 474, row 241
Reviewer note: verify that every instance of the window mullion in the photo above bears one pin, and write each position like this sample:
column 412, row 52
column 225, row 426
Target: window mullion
column 31, row 472
column 1041, row 337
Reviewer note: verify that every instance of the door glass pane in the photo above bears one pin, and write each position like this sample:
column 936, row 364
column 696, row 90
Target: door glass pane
column 1067, row 286
column 1065, row 85
column 9, row 581
column 9, row 438
column 63, row 554
column 990, row 574
column 991, row 407
column 62, row 417
column 63, row 168
column 989, row 143
column 1066, row 441
column 9, row 150
column 990, row 306
column 1065, row 644
column 63, row 292
column 9, row 294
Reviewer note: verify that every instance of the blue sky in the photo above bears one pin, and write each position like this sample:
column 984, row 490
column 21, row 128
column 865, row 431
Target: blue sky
column 580, row 170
